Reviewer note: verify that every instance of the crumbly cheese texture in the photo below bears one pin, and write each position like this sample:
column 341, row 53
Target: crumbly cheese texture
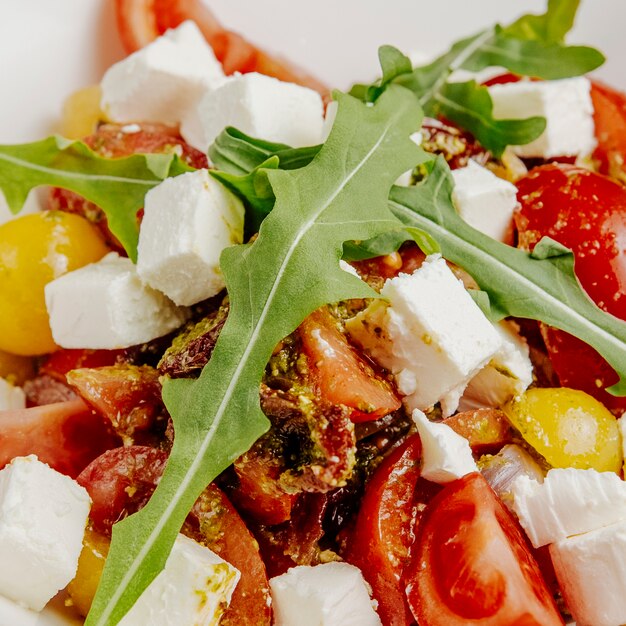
column 42, row 522
column 485, row 201
column 105, row 305
column 332, row 594
column 566, row 104
column 164, row 80
column 446, row 455
column 195, row 587
column 432, row 336
column 11, row 396
column 260, row 106
column 591, row 569
column 12, row 614
column 508, row 374
column 568, row 502
column 188, row 221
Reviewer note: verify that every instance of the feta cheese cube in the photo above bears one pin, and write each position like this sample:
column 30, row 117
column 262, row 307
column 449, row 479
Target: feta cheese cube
column 12, row 614
column 162, row 81
column 188, row 220
column 332, row 594
column 446, row 455
column 485, row 201
column 42, row 521
column 591, row 569
column 195, row 587
column 33, row 204
column 566, row 105
column 260, row 106
column 11, row 397
column 432, row 336
column 508, row 374
column 568, row 502
column 105, row 305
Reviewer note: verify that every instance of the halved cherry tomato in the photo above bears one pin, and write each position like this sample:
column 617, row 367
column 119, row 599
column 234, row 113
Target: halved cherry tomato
column 141, row 21
column 380, row 542
column 341, row 374
column 471, row 565
column 586, row 212
column 59, row 363
column 487, row 430
column 66, row 435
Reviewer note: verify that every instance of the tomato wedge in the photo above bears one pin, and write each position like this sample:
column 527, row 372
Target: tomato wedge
column 341, row 375
column 471, row 565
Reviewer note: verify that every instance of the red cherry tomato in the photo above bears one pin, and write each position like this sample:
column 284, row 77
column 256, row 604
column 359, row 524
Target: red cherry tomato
column 341, row 374
column 65, row 435
column 487, row 430
column 470, row 564
column 59, row 363
column 587, row 213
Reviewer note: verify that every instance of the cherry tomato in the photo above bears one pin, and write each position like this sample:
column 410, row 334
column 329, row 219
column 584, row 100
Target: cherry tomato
column 380, row 543
column 59, row 363
column 587, row 213
column 341, row 374
column 34, row 250
column 66, row 435
column 487, row 430
column 470, row 564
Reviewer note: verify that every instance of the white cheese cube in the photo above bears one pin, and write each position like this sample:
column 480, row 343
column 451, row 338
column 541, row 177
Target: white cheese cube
column 332, row 594
column 42, row 521
column 105, row 305
column 11, row 397
column 432, row 336
column 446, row 455
column 591, row 569
column 508, row 374
column 566, row 105
column 195, row 587
column 33, row 204
column 568, row 502
column 188, row 220
column 12, row 614
column 260, row 106
column 485, row 201
column 162, row 81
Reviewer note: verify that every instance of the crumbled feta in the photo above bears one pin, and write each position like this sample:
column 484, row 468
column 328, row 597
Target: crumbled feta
column 12, row 614
column 42, row 521
column 346, row 267
column 432, row 336
column 11, row 396
column 105, row 305
column 591, row 569
column 446, row 455
column 566, row 105
column 188, row 220
column 485, row 201
column 195, row 587
column 508, row 374
column 32, row 205
column 332, row 594
column 260, row 106
column 568, row 502
column 162, row 81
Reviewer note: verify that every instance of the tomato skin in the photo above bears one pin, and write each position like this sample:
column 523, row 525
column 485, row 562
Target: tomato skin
column 586, row 212
column 486, row 429
column 59, row 363
column 471, row 565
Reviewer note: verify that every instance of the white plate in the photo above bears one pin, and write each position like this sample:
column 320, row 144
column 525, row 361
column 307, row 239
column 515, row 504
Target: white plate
column 50, row 48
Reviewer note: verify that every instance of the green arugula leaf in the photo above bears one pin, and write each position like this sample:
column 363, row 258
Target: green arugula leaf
column 540, row 286
column 291, row 269
column 117, row 186
column 551, row 26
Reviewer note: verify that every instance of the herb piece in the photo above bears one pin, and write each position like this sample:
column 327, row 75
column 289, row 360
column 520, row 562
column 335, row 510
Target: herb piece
column 291, row 269
column 117, row 186
column 540, row 285
column 552, row 26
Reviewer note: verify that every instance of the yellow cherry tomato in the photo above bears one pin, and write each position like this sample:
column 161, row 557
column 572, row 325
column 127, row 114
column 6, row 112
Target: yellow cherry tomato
column 34, row 250
column 16, row 369
column 568, row 428
column 90, row 564
column 81, row 113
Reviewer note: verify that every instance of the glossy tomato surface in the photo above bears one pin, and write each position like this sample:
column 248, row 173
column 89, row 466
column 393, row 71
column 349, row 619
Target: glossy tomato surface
column 471, row 565
column 586, row 212
column 610, row 123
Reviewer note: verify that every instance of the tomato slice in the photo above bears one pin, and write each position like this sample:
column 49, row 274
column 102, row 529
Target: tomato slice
column 341, row 375
column 471, row 565
column 59, row 363
column 486, row 429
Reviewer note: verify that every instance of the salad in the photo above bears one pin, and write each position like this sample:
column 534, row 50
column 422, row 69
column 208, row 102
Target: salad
column 275, row 354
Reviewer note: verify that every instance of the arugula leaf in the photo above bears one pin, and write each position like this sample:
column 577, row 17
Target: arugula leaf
column 117, row 186
column 551, row 26
column 540, row 286
column 291, row 269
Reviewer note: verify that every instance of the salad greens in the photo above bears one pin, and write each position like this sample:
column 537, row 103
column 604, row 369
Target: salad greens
column 117, row 186
column 291, row 269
